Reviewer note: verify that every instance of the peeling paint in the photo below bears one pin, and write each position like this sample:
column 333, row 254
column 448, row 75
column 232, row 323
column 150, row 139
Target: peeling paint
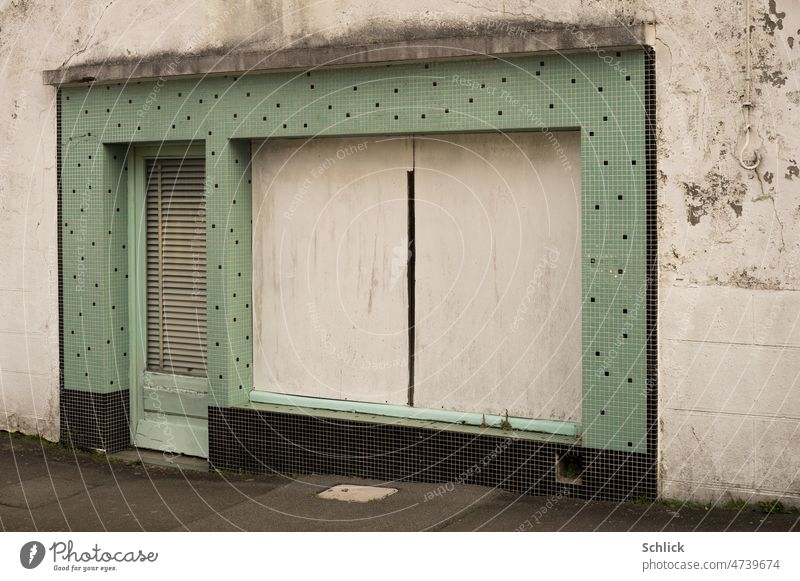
column 792, row 171
column 769, row 24
column 775, row 78
column 715, row 194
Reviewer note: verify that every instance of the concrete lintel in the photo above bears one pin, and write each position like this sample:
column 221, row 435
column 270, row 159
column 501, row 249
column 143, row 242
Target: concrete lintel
column 521, row 42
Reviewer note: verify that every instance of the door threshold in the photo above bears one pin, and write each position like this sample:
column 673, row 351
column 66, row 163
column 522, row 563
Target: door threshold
column 164, row 459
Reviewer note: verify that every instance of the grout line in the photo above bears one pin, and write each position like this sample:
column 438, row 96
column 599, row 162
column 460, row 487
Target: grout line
column 411, row 279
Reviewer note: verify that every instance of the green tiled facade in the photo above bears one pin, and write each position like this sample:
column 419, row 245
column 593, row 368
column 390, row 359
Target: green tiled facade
column 603, row 96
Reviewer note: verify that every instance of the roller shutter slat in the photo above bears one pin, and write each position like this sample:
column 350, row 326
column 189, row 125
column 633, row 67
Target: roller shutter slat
column 176, row 266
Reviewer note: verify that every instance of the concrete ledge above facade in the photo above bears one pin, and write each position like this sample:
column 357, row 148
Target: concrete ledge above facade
column 516, row 41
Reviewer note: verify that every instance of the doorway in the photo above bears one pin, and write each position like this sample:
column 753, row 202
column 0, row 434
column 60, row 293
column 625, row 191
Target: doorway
column 169, row 395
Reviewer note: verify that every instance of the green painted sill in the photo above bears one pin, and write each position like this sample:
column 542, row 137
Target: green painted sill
column 430, row 424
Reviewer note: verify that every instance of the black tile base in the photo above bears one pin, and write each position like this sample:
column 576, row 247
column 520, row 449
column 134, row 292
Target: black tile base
column 257, row 441
column 95, row 420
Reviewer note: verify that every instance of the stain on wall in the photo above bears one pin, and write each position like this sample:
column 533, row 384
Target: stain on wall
column 716, row 196
column 728, row 238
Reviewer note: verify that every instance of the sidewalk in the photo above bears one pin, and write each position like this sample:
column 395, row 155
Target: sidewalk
column 49, row 488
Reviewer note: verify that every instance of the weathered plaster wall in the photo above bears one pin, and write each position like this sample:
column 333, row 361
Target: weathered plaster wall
column 729, row 277
column 730, row 340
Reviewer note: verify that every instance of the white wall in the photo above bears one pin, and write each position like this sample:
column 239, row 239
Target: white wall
column 723, row 231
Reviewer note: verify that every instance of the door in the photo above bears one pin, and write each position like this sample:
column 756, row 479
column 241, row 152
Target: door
column 169, row 381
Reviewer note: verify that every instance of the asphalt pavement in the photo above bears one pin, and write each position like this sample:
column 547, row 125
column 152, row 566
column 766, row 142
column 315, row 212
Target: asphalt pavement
column 47, row 487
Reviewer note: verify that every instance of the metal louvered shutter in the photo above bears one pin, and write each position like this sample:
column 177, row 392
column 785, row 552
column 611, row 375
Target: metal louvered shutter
column 176, row 266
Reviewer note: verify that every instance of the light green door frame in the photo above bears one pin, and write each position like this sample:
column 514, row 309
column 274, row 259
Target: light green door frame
column 168, row 412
